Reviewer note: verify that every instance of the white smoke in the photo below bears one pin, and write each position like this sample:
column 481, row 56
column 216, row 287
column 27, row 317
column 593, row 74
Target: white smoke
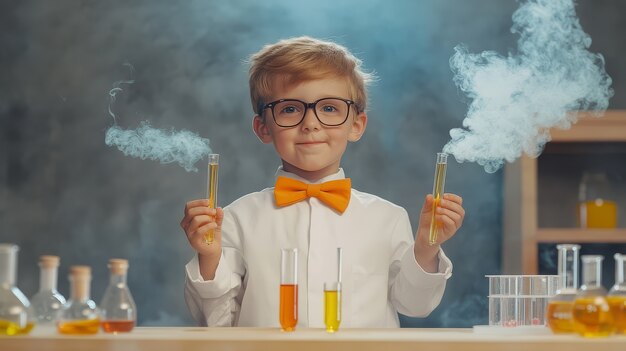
column 517, row 98
column 167, row 146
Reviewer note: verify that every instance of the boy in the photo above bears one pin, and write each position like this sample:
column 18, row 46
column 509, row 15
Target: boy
column 309, row 98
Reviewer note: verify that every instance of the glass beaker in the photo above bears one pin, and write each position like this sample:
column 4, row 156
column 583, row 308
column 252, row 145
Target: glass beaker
column 118, row 310
column 617, row 295
column 596, row 202
column 592, row 315
column 15, row 317
column 80, row 314
column 332, row 306
column 47, row 302
column 561, row 306
column 288, row 289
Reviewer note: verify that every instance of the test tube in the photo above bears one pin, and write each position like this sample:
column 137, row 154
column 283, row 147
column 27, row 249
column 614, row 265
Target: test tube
column 288, row 313
column 214, row 160
column 332, row 299
column 439, row 182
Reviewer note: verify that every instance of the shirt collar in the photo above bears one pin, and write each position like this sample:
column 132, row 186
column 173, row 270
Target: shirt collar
column 339, row 175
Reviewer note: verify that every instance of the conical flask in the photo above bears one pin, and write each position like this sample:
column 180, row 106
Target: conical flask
column 117, row 308
column 15, row 316
column 47, row 303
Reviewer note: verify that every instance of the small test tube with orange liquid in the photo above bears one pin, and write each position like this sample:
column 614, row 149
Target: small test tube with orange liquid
column 332, row 299
column 214, row 160
column 438, row 185
column 288, row 313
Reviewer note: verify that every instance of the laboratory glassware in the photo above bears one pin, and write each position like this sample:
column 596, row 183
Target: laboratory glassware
column 332, row 299
column 15, row 314
column 596, row 202
column 560, row 307
column 80, row 314
column 288, row 289
column 591, row 312
column 212, row 191
column 47, row 303
column 118, row 311
column 617, row 295
column 438, row 185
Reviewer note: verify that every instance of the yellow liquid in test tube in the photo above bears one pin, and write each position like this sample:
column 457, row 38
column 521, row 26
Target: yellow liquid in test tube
column 212, row 191
column 332, row 309
column 440, row 180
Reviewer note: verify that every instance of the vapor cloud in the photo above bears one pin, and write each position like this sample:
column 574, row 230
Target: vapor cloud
column 515, row 99
column 166, row 146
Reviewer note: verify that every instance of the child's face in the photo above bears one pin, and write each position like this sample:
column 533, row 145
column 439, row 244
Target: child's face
column 310, row 149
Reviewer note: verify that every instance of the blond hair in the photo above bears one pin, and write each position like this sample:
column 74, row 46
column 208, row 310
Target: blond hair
column 301, row 59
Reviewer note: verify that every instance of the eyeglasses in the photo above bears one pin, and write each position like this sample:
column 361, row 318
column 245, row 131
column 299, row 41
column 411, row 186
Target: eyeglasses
column 330, row 112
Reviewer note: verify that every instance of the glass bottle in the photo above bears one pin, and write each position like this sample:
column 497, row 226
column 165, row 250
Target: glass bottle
column 80, row 314
column 47, row 302
column 117, row 308
column 596, row 204
column 15, row 318
column 617, row 295
column 592, row 315
column 559, row 316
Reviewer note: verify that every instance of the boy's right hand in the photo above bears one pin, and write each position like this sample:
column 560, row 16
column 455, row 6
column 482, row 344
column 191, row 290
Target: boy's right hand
column 198, row 220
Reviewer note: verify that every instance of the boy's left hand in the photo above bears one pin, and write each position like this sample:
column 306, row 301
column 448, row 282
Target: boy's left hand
column 449, row 216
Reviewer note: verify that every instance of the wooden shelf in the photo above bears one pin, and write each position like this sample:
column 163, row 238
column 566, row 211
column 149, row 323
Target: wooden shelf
column 576, row 235
column 522, row 234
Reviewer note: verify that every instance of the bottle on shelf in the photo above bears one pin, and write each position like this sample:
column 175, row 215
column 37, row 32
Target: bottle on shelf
column 80, row 314
column 617, row 295
column 47, row 303
column 118, row 310
column 15, row 314
column 592, row 315
column 560, row 307
column 596, row 202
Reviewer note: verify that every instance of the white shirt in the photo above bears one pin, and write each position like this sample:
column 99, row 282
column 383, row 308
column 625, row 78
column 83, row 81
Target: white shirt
column 380, row 275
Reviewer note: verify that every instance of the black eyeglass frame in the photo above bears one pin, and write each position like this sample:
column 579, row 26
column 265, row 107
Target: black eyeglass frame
column 307, row 105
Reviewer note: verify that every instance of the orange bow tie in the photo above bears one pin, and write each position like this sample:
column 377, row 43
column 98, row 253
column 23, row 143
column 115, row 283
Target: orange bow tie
column 334, row 193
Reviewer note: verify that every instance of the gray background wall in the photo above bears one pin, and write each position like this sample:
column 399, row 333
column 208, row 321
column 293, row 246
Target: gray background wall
column 63, row 191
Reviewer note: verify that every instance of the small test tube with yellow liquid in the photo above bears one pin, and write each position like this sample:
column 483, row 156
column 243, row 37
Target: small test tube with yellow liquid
column 214, row 161
column 332, row 299
column 439, row 182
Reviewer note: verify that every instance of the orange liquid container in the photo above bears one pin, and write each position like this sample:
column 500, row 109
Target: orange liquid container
column 559, row 317
column 115, row 326
column 288, row 306
column 618, row 310
column 90, row 326
column 592, row 317
column 597, row 214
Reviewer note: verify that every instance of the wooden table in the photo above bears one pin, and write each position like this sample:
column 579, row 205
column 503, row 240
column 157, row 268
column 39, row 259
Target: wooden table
column 214, row 339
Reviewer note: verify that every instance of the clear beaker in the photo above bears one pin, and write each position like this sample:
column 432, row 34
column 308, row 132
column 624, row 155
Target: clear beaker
column 617, row 295
column 118, row 310
column 47, row 303
column 80, row 314
column 560, row 307
column 596, row 202
column 288, row 313
column 591, row 312
column 15, row 315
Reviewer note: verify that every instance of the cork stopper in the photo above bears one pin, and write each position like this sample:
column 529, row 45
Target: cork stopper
column 48, row 261
column 118, row 266
column 80, row 278
column 80, row 271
